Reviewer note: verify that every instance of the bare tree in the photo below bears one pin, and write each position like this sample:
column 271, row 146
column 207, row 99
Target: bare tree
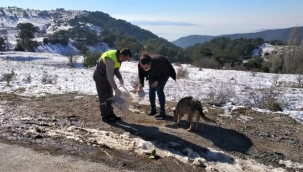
column 300, row 80
column 293, row 52
column 7, row 43
column 274, row 80
column 71, row 55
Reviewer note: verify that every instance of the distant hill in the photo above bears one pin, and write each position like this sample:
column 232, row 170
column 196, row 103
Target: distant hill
column 50, row 21
column 191, row 40
column 267, row 35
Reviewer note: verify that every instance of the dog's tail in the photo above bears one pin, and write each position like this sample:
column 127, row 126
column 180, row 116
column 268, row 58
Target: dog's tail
column 200, row 110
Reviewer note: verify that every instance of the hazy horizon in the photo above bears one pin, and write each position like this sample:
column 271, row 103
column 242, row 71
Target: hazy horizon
column 172, row 19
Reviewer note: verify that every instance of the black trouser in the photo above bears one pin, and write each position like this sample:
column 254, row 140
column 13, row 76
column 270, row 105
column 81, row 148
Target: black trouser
column 105, row 94
column 160, row 93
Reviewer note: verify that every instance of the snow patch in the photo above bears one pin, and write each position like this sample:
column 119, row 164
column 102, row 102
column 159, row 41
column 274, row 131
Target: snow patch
column 1, row 112
column 292, row 165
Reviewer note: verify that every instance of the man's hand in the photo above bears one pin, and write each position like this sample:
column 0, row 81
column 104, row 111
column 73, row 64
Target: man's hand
column 117, row 92
column 154, row 84
column 140, row 88
column 121, row 82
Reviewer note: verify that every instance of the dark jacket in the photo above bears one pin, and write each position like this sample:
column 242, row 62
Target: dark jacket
column 161, row 69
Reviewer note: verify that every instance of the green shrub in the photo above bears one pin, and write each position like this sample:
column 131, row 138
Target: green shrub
column 45, row 41
column 90, row 59
column 266, row 67
column 84, row 50
column 63, row 42
column 19, row 47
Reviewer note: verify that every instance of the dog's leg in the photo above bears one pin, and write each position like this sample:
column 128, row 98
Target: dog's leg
column 190, row 119
column 179, row 118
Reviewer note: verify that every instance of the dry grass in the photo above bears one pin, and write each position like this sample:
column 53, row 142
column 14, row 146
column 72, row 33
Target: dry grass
column 220, row 94
column 28, row 78
column 49, row 79
column 206, row 63
column 182, row 72
column 275, row 80
column 266, row 98
column 299, row 79
column 253, row 72
column 8, row 77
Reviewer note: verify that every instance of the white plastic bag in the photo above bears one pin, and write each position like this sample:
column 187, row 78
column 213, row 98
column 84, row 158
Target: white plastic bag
column 123, row 101
column 141, row 94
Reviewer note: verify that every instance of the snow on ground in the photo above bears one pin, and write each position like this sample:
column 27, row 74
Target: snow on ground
column 265, row 48
column 54, row 27
column 99, row 47
column 92, row 27
column 212, row 159
column 58, row 48
column 12, row 17
column 38, row 74
column 49, row 21
column 200, row 84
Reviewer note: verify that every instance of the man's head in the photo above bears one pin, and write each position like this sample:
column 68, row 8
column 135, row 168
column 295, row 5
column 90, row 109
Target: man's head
column 125, row 54
column 145, row 61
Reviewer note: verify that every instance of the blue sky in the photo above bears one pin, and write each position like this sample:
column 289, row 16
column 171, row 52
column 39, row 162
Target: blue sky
column 172, row 19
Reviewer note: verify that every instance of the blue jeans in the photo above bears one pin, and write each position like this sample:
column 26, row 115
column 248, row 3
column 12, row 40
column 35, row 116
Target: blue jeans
column 160, row 93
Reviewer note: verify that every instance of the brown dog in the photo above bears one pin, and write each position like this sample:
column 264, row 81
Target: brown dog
column 190, row 106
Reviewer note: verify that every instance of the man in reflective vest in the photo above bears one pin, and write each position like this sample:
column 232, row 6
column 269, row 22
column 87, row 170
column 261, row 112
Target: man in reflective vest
column 107, row 67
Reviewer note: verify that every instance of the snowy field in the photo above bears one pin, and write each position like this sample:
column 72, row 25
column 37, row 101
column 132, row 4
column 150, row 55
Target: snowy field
column 49, row 73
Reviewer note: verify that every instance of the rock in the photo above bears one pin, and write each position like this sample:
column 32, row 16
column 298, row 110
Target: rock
column 201, row 162
column 1, row 112
column 78, row 97
column 38, row 130
column 136, row 111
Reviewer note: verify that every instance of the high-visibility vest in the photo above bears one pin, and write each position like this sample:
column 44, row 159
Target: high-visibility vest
column 111, row 54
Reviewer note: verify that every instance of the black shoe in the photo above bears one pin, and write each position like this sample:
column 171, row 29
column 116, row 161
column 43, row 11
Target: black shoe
column 114, row 117
column 152, row 113
column 108, row 119
column 161, row 115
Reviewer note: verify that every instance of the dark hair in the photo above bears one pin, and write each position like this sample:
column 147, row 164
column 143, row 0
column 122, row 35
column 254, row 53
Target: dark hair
column 125, row 52
column 145, row 58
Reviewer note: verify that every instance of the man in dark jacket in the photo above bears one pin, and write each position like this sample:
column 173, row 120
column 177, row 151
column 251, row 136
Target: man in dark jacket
column 107, row 66
column 157, row 70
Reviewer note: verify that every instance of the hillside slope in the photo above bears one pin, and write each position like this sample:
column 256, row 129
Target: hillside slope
column 267, row 35
column 50, row 21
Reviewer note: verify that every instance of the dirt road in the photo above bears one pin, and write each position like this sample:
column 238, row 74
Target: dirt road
column 16, row 158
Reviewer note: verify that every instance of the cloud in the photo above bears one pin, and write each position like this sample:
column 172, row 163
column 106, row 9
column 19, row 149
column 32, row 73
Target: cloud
column 162, row 22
